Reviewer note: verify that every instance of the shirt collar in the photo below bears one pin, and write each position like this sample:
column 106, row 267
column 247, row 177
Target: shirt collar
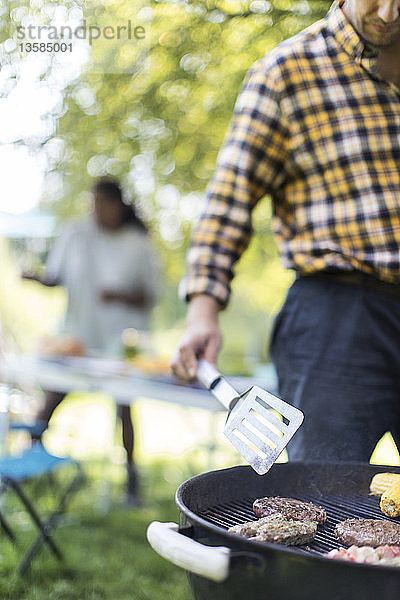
column 345, row 34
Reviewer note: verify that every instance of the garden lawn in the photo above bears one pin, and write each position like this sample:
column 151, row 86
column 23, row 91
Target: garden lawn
column 107, row 556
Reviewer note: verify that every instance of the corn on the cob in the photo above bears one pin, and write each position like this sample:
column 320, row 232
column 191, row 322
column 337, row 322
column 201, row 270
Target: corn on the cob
column 390, row 501
column 382, row 482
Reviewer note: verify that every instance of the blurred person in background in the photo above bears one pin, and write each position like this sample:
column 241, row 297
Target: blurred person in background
column 109, row 269
column 316, row 126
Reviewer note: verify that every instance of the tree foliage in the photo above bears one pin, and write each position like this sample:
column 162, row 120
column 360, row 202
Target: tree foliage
column 157, row 116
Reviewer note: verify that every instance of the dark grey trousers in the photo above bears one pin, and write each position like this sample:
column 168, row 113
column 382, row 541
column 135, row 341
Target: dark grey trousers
column 336, row 348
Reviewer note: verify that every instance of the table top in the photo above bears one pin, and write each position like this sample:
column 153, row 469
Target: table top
column 117, row 378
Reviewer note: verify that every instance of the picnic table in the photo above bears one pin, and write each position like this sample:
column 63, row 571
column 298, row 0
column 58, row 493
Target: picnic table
column 121, row 380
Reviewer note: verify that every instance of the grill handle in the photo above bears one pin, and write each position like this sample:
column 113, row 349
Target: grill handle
column 207, row 561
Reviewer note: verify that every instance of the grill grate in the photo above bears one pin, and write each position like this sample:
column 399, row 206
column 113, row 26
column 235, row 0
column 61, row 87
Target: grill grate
column 338, row 508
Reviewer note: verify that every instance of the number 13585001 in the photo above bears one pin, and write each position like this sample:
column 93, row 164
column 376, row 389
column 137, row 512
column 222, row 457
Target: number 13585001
column 45, row 47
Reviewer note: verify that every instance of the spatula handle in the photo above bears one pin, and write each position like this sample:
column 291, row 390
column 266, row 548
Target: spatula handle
column 207, row 374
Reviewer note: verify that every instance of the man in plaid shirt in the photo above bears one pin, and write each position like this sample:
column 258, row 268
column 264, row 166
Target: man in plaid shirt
column 317, row 126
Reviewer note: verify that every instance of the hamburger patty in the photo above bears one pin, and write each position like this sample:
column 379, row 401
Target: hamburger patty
column 296, row 510
column 277, row 529
column 368, row 532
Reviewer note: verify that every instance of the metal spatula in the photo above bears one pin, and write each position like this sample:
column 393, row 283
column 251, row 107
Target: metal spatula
column 259, row 425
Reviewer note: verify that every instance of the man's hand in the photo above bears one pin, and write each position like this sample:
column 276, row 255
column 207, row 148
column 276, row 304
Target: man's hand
column 202, row 337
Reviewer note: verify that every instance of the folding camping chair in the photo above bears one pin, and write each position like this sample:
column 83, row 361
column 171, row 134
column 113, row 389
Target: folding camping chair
column 34, row 463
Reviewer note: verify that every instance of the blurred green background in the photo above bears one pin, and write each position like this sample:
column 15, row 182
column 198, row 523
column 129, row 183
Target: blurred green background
column 153, row 115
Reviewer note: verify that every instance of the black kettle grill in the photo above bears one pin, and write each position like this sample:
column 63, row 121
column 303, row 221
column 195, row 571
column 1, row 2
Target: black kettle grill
column 224, row 566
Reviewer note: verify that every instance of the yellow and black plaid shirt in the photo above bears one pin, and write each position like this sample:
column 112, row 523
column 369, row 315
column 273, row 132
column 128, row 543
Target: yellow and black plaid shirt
column 316, row 128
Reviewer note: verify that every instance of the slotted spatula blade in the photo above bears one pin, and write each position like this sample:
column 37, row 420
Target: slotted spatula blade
column 259, row 425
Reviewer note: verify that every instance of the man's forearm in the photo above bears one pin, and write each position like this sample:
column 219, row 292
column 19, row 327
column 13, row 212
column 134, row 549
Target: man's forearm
column 202, row 307
column 202, row 336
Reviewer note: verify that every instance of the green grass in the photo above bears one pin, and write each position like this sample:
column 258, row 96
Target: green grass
column 107, row 554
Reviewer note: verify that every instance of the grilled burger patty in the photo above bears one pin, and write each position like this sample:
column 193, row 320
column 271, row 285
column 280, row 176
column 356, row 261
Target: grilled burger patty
column 368, row 532
column 295, row 510
column 277, row 529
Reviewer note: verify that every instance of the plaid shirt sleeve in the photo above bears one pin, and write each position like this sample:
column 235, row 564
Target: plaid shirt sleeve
column 250, row 164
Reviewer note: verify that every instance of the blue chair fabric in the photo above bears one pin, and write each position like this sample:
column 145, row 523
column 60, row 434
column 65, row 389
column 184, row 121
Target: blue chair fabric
column 34, row 463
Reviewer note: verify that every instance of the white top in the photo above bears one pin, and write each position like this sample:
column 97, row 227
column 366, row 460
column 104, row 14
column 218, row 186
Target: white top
column 88, row 260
